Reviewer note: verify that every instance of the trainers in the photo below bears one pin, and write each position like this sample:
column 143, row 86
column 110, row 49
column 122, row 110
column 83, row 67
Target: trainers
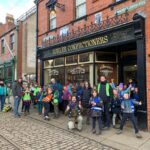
column 119, row 131
column 138, row 135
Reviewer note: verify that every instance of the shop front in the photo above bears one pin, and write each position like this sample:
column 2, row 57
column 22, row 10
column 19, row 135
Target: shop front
column 117, row 53
column 7, row 71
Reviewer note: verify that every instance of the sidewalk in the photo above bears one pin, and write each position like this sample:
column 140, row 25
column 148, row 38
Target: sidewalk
column 125, row 141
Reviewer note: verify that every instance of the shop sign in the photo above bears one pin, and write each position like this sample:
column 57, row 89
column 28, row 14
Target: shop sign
column 53, row 72
column 114, row 37
column 77, row 70
column 131, row 7
column 106, row 70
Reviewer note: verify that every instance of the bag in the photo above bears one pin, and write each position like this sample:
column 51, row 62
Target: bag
column 7, row 108
column 55, row 101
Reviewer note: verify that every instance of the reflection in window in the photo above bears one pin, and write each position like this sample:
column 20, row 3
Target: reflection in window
column 72, row 59
column 84, row 57
column 59, row 61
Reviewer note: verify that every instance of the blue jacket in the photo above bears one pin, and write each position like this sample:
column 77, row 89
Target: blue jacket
column 3, row 91
column 128, row 105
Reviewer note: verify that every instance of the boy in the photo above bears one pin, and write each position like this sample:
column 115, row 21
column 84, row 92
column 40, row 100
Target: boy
column 127, row 106
column 74, row 112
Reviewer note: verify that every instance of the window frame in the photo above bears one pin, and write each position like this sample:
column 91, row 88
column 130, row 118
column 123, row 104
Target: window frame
column 77, row 6
column 12, row 41
column 2, row 46
column 52, row 18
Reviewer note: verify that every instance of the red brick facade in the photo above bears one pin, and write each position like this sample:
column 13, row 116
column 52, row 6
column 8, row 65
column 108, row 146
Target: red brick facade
column 107, row 9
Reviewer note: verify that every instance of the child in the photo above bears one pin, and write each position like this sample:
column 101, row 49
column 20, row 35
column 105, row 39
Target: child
column 40, row 95
column 74, row 113
column 127, row 106
column 9, row 90
column 115, row 107
column 55, row 103
column 66, row 97
column 46, row 102
column 96, row 111
column 26, row 100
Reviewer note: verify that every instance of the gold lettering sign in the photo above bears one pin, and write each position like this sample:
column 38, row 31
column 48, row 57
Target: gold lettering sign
column 81, row 45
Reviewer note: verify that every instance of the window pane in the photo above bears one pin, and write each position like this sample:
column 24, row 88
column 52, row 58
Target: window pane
column 64, row 31
column 71, row 59
column 78, row 2
column 84, row 57
column 106, row 57
column 81, row 10
column 49, row 63
column 59, row 61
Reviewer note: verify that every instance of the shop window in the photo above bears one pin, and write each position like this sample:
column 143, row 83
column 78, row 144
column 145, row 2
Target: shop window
column 49, row 63
column 108, row 70
column 80, row 8
column 59, row 61
column 64, row 31
column 109, row 57
column 72, row 59
column 52, row 21
column 9, row 72
column 84, row 57
column 12, row 41
column 98, row 18
column 1, row 73
column 2, row 47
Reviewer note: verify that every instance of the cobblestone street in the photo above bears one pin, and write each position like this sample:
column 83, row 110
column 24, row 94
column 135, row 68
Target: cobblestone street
column 28, row 134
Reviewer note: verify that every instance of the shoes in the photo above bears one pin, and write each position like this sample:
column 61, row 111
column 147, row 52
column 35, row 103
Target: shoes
column 46, row 118
column 106, row 128
column 99, row 132
column 138, row 135
column 119, row 131
column 93, row 131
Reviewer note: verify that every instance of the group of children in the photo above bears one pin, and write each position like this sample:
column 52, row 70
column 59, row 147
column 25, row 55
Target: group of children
column 121, row 105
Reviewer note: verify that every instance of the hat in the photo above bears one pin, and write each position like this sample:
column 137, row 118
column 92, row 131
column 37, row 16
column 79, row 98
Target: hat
column 121, row 85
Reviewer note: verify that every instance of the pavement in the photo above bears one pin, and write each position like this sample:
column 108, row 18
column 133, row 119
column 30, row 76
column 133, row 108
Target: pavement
column 33, row 132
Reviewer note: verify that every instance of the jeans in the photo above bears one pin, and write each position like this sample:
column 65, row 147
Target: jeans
column 132, row 118
column 114, row 118
column 16, row 105
column 40, row 106
column 46, row 109
column 2, row 101
column 56, row 110
column 106, row 114
column 99, row 122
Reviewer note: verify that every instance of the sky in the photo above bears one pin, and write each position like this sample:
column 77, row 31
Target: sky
column 14, row 7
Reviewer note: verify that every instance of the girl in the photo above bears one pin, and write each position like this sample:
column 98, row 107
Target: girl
column 96, row 111
column 26, row 101
column 46, row 103
column 115, row 107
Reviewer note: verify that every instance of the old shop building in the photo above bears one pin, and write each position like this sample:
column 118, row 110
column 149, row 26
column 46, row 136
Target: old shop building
column 84, row 39
column 17, row 50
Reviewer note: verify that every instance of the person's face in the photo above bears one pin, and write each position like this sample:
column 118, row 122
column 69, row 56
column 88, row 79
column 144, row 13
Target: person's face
column 102, row 79
column 94, row 94
column 125, row 86
column 40, row 90
column 73, row 99
column 19, row 80
column 136, row 90
column 49, row 91
column 126, row 96
column 115, row 92
column 86, row 85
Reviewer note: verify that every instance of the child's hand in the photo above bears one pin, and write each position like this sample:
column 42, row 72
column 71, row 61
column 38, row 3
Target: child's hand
column 67, row 108
column 93, row 104
column 140, row 103
column 122, row 107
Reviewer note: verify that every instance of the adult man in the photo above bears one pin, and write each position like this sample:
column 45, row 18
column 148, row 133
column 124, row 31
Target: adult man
column 17, row 93
column 105, row 93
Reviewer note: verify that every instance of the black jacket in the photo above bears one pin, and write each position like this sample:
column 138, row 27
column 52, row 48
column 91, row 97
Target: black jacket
column 17, row 89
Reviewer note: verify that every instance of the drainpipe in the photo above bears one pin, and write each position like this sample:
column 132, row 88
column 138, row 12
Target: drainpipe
column 36, row 71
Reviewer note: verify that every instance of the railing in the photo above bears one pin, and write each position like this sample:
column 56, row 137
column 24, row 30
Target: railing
column 92, row 28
